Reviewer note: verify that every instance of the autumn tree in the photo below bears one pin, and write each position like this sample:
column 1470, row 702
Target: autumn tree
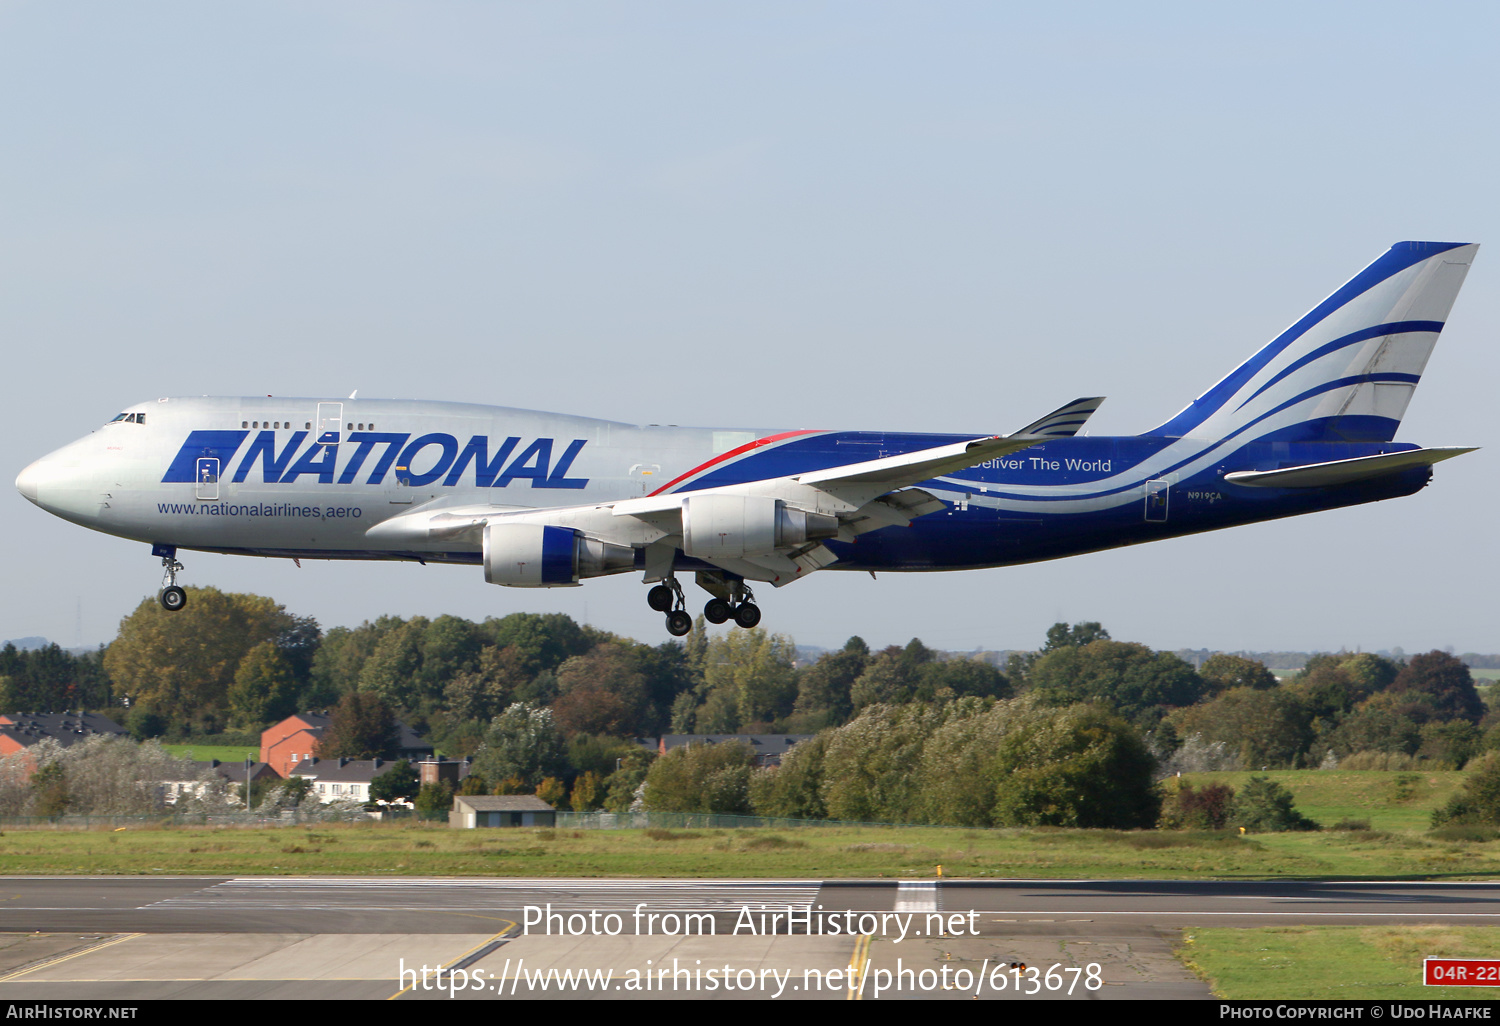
column 362, row 726
column 1445, row 682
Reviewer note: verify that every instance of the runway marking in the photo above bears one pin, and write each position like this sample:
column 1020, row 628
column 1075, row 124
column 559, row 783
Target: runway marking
column 859, row 965
column 466, row 959
column 343, row 894
column 917, row 896
column 65, row 958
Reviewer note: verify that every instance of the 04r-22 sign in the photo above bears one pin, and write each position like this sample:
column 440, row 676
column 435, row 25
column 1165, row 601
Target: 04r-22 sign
column 1461, row 972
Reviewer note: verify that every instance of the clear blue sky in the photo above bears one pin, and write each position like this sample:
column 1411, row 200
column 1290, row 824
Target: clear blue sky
column 947, row 217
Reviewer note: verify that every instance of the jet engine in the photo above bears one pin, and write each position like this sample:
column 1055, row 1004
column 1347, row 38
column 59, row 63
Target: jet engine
column 539, row 556
column 735, row 526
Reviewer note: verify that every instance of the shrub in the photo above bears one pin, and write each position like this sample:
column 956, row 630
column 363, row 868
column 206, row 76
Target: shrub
column 1189, row 809
column 1264, row 806
column 1479, row 801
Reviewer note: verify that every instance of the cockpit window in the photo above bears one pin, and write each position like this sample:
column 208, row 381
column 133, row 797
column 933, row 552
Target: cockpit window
column 129, row 418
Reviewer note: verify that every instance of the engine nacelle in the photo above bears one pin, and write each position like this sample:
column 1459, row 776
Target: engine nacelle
column 735, row 526
column 539, row 556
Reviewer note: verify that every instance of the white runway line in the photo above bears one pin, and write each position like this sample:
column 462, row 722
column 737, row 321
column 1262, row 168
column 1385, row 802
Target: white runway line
column 338, row 893
column 917, row 896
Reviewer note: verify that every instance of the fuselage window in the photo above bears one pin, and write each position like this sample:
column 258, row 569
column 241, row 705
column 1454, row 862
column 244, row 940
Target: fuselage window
column 244, row 423
column 277, row 425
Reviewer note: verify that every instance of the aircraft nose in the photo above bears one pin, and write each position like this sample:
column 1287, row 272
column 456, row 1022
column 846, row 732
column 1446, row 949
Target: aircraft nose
column 27, row 481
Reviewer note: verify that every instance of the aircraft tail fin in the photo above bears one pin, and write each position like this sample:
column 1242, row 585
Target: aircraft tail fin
column 1346, row 370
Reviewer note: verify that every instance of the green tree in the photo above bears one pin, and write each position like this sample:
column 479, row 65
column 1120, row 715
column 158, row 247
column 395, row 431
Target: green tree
column 1138, row 682
column 182, row 664
column 393, row 667
column 1060, row 635
column 756, row 668
column 523, row 741
column 49, row 790
column 825, row 686
column 264, row 689
column 1479, row 801
column 794, row 789
column 1081, row 767
column 713, row 778
column 400, row 781
column 1222, row 671
column 434, row 799
column 1267, row 728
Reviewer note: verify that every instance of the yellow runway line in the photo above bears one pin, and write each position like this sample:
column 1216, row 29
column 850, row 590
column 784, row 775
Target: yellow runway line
column 63, row 958
column 859, row 964
column 510, row 925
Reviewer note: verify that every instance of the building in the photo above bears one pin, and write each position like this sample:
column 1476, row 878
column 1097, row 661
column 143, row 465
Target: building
column 768, row 748
column 234, row 772
column 500, row 810
column 295, row 739
column 440, row 769
column 342, row 779
column 19, row 731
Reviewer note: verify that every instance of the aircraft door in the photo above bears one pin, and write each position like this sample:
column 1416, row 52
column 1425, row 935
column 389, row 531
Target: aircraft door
column 645, row 475
column 206, row 478
column 1157, row 494
column 330, row 423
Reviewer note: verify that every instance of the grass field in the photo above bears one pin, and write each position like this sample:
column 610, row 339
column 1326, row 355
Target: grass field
column 224, row 753
column 1389, row 800
column 1334, row 962
column 416, row 849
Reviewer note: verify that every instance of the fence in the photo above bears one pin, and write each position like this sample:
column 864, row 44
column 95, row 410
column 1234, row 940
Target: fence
column 173, row 819
column 696, row 821
column 565, row 820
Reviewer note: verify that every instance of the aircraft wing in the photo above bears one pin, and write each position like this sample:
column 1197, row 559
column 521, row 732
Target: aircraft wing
column 838, row 502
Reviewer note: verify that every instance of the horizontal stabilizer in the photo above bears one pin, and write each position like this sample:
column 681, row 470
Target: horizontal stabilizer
column 1065, row 421
column 1339, row 472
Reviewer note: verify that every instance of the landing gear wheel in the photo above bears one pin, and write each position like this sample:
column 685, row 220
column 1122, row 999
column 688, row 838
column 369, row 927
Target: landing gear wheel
column 717, row 611
column 659, row 598
column 747, row 614
column 679, row 623
column 172, row 598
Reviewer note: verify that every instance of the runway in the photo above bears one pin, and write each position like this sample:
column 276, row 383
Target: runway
column 362, row 938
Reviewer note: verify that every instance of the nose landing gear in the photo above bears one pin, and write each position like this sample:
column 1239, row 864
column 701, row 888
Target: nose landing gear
column 171, row 597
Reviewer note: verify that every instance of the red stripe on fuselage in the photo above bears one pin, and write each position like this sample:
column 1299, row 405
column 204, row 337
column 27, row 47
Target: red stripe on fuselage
column 732, row 453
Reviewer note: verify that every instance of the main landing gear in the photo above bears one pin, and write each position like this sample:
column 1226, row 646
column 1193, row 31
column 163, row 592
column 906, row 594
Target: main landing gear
column 667, row 598
column 736, row 602
column 171, row 597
